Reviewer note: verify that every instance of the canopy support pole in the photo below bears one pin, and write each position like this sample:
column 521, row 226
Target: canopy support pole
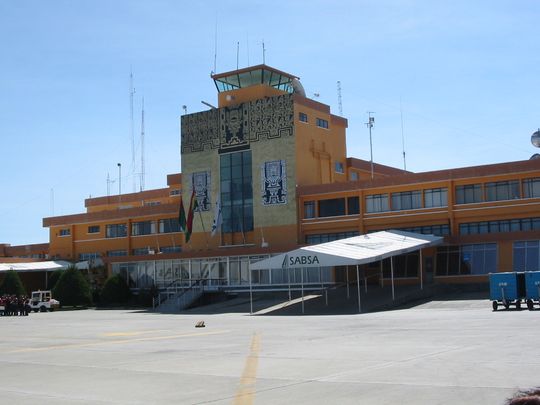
column 250, row 292
column 381, row 277
column 421, row 271
column 302, row 283
column 392, row 275
column 289, row 279
column 358, row 286
column 347, row 278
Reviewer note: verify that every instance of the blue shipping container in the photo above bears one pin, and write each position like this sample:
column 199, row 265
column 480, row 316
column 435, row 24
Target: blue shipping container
column 506, row 286
column 532, row 283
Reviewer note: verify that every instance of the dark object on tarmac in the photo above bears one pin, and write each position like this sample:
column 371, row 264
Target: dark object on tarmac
column 200, row 324
column 507, row 289
column 532, row 284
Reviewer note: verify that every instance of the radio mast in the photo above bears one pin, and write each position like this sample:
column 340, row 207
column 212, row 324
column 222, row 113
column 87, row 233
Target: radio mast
column 142, row 146
column 131, row 94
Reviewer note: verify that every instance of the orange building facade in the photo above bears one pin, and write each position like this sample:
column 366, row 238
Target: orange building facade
column 275, row 164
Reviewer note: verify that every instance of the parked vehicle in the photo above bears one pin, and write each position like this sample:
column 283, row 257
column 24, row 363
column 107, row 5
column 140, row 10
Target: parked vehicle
column 507, row 289
column 43, row 301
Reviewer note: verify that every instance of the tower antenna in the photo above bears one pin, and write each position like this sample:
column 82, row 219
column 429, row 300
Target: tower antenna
column 215, row 48
column 142, row 146
column 131, row 93
column 339, row 98
column 264, row 51
column 371, row 121
column 237, row 54
column 402, row 137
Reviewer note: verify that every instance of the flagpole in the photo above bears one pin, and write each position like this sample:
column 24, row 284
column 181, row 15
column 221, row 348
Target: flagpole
column 202, row 224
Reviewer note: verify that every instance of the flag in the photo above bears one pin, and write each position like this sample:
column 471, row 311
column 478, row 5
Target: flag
column 182, row 215
column 217, row 218
column 193, row 206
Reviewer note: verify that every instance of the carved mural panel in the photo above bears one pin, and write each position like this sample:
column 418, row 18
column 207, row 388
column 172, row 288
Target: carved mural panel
column 200, row 182
column 274, row 182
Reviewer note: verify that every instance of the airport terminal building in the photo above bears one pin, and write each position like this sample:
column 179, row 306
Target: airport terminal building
column 275, row 163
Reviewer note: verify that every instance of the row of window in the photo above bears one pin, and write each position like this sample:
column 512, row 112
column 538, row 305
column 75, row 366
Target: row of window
column 512, row 225
column 321, row 123
column 498, row 191
column 329, row 237
column 135, row 252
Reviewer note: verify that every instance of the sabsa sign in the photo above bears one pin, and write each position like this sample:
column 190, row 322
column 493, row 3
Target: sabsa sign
column 292, row 261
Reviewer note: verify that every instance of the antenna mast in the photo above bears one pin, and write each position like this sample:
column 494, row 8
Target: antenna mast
column 339, row 98
column 131, row 93
column 369, row 124
column 142, row 146
column 264, row 51
column 402, row 137
column 237, row 53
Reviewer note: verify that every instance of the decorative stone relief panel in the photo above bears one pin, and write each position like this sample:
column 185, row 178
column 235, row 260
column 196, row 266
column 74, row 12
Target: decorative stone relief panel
column 274, row 182
column 234, row 128
column 200, row 182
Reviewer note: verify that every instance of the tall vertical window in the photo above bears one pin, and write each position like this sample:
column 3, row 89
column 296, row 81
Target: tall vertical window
column 331, row 208
column 143, row 228
column 169, row 225
column 236, row 192
column 435, row 197
column 526, row 255
column 470, row 193
column 531, row 188
column 406, row 200
column 353, row 205
column 116, row 230
column 377, row 203
column 309, row 209
column 502, row 190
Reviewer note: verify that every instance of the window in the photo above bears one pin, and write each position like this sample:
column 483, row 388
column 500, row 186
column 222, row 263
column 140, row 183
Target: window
column 435, row 197
column 151, row 203
column 170, row 249
column 65, row 232
column 332, row 208
column 377, row 203
column 513, row 225
column 169, row 225
column 236, row 192
column 142, row 251
column 89, row 256
column 143, row 228
column 93, row 229
column 471, row 193
column 531, row 188
column 114, row 253
column 339, row 167
column 322, row 123
column 502, row 190
column 353, row 205
column 309, row 209
column 467, row 259
column 439, row 230
column 526, row 255
column 354, row 176
column 329, row 237
column 303, row 117
column 116, row 231
column 175, row 192
column 406, row 200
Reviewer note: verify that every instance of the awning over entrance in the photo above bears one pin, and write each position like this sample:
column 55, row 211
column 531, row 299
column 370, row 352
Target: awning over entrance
column 34, row 266
column 357, row 250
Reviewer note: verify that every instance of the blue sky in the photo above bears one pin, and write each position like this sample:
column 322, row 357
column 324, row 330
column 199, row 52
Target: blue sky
column 467, row 75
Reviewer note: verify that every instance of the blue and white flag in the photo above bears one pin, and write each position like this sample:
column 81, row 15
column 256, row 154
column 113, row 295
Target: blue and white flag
column 217, row 218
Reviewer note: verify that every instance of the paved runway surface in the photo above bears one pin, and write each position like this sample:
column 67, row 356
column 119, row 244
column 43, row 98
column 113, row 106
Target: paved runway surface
column 454, row 352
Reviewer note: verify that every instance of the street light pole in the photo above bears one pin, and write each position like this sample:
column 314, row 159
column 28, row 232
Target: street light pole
column 369, row 124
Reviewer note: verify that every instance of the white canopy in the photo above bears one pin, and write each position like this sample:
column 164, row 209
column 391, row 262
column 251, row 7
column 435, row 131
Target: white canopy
column 34, row 266
column 357, row 250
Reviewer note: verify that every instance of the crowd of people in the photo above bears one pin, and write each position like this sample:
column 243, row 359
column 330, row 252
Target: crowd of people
column 14, row 305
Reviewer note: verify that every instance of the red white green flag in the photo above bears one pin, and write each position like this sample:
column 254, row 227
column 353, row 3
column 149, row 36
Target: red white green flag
column 182, row 216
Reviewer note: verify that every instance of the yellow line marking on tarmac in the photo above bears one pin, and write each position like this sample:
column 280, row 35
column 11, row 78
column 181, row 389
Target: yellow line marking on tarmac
column 113, row 334
column 246, row 392
column 116, row 342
